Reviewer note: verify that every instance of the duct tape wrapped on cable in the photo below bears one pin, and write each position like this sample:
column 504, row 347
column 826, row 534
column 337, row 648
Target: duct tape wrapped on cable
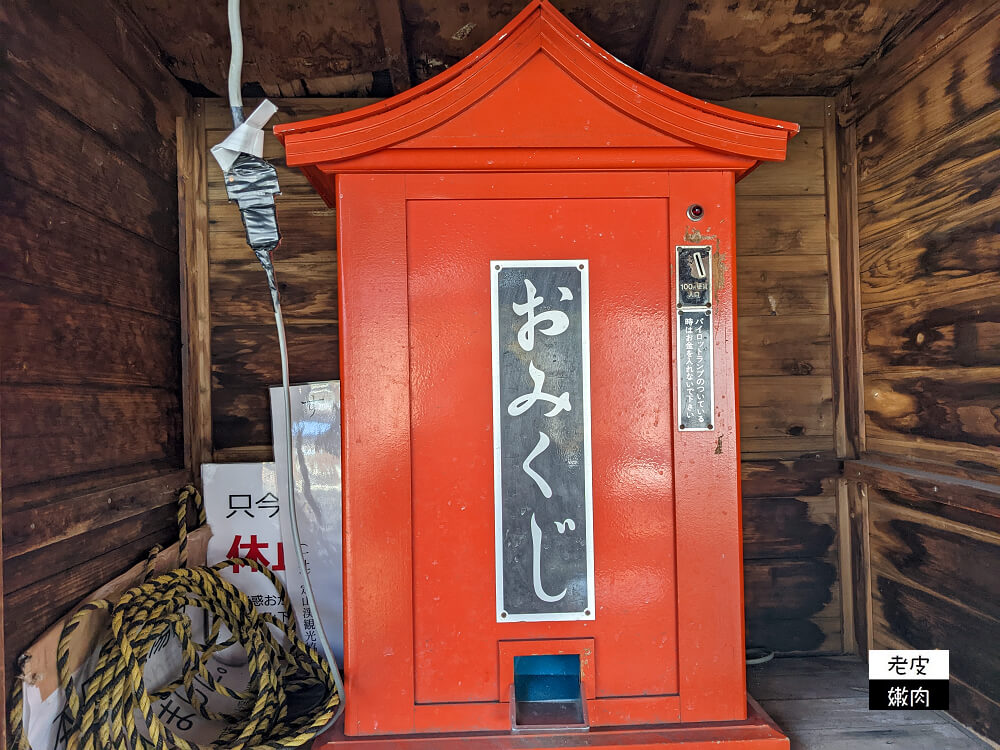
column 252, row 182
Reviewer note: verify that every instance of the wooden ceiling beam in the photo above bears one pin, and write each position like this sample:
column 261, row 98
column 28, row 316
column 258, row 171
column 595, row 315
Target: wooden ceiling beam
column 668, row 15
column 390, row 20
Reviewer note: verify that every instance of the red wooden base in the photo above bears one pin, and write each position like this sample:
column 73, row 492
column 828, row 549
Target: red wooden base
column 758, row 732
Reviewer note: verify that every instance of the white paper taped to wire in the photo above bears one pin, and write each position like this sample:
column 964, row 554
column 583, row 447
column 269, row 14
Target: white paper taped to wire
column 248, row 138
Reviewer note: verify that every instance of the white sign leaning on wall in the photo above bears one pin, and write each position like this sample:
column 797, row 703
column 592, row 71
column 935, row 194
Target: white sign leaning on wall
column 317, row 474
column 247, row 511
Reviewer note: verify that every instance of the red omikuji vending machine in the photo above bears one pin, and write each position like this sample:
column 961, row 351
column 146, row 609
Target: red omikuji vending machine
column 542, row 543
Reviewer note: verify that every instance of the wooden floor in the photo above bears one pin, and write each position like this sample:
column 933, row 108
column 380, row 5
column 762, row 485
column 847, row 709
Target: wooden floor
column 822, row 704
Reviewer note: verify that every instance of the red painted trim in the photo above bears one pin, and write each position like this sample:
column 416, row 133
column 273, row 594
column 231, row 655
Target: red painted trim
column 706, row 481
column 378, row 557
column 533, row 160
column 757, row 732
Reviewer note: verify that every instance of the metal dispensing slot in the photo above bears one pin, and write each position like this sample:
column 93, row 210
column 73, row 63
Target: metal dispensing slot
column 547, row 694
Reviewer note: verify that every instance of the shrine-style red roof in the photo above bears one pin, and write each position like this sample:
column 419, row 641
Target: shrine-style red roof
column 539, row 95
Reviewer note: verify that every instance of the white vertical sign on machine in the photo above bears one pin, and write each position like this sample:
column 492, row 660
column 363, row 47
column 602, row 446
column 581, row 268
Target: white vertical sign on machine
column 541, row 440
column 695, row 376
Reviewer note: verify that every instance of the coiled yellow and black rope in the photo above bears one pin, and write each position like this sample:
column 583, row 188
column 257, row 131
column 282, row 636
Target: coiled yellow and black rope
column 101, row 713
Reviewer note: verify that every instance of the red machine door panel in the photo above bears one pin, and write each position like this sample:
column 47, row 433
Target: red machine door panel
column 450, row 243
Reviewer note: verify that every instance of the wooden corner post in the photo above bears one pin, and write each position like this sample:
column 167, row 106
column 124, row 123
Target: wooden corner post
column 192, row 200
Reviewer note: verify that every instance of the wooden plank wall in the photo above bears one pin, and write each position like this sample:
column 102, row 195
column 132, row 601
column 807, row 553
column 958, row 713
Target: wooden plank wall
column 785, row 231
column 786, row 384
column 90, row 370
column 927, row 121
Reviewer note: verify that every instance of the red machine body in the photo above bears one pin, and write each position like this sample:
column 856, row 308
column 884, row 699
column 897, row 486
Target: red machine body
column 539, row 146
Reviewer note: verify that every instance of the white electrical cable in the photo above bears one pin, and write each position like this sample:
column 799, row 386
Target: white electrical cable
column 235, row 63
column 236, row 106
column 293, row 519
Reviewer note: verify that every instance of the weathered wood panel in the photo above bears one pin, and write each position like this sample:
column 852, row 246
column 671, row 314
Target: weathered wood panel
column 891, row 445
column 845, row 277
column 949, row 414
column 239, row 292
column 90, row 376
column 793, row 602
column 788, row 527
column 933, row 254
column 310, row 239
column 113, row 27
column 784, row 285
column 55, row 337
column 927, row 551
column 52, row 431
column 787, row 478
column 787, row 345
column 937, row 331
column 969, row 501
column 956, row 87
column 800, row 174
column 313, row 353
column 929, row 182
column 807, row 111
column 62, row 591
column 66, row 158
column 916, row 618
column 778, row 408
column 24, row 570
column 856, row 573
column 75, row 251
column 780, row 225
column 247, row 364
column 974, row 708
column 915, row 46
column 935, row 552
column 79, row 78
column 790, row 547
column 793, row 597
column 36, row 527
column 195, row 299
